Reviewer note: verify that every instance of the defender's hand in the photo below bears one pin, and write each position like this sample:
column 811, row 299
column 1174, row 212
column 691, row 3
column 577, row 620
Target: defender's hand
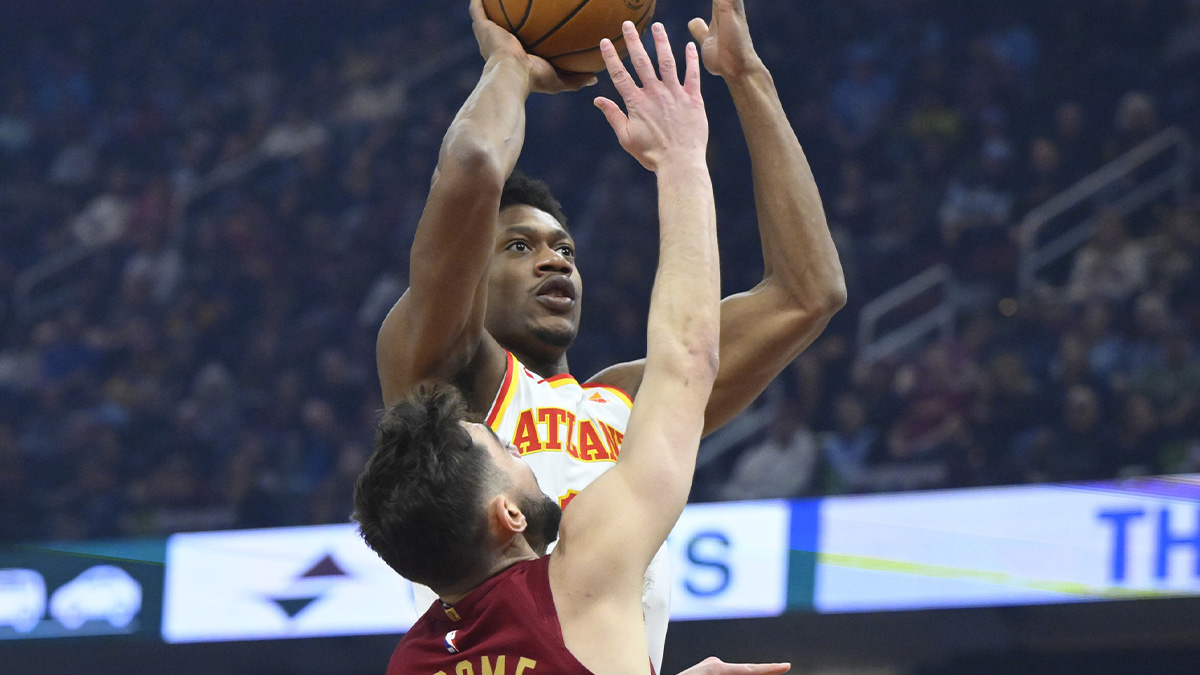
column 714, row 666
column 665, row 119
column 495, row 42
column 725, row 44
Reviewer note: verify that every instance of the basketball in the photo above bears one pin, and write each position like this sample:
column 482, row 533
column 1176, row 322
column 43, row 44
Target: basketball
column 567, row 33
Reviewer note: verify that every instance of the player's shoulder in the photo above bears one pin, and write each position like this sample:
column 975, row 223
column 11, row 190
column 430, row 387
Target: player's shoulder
column 625, row 378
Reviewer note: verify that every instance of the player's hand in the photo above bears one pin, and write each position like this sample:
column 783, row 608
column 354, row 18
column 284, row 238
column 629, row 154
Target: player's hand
column 714, row 666
column 725, row 43
column 495, row 42
column 664, row 118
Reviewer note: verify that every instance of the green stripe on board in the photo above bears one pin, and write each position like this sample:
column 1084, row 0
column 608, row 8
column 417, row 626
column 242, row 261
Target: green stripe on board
column 998, row 578
column 151, row 551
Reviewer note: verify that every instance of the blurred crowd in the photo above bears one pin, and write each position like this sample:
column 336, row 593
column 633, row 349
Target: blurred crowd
column 206, row 210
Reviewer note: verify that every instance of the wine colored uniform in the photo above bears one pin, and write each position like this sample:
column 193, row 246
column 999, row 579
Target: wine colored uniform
column 570, row 433
column 506, row 625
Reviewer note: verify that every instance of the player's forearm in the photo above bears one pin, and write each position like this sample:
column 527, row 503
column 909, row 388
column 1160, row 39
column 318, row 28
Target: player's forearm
column 684, row 320
column 488, row 132
column 798, row 252
column 435, row 327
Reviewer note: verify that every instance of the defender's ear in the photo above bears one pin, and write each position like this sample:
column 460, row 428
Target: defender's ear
column 506, row 514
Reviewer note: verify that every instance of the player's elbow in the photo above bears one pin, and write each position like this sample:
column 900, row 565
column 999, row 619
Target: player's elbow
column 466, row 158
column 834, row 298
column 818, row 298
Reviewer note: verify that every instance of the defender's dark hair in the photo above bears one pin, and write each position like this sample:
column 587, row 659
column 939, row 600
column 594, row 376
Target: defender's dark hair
column 418, row 501
column 522, row 189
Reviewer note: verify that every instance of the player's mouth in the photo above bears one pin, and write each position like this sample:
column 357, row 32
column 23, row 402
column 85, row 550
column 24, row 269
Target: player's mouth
column 556, row 293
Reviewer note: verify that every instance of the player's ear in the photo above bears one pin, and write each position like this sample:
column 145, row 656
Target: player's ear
column 506, row 514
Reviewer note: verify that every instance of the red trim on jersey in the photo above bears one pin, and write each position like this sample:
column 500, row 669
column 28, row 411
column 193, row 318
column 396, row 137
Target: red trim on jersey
column 558, row 380
column 502, row 396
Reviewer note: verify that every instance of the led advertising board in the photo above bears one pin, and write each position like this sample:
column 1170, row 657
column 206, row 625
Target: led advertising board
column 81, row 589
column 1033, row 544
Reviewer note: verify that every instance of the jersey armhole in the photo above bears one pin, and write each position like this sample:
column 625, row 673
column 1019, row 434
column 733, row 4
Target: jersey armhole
column 507, row 389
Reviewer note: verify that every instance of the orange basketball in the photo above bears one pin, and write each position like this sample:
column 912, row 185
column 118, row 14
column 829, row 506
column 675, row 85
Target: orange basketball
column 567, row 33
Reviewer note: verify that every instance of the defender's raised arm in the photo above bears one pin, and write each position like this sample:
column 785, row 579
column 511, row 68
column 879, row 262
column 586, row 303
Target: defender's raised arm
column 612, row 529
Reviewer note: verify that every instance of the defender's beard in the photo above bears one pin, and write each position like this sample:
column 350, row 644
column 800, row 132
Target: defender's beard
column 543, row 515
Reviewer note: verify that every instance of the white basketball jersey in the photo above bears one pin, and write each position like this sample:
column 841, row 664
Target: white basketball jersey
column 570, row 433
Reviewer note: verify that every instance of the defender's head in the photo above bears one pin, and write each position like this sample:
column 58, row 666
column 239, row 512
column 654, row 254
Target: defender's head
column 441, row 497
column 534, row 289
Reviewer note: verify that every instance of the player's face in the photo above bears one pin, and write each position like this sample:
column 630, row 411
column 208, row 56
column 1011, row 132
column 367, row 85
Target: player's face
column 542, row 513
column 534, row 289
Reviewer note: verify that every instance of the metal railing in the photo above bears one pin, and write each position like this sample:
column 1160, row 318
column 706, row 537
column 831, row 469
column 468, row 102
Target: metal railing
column 874, row 345
column 1036, row 255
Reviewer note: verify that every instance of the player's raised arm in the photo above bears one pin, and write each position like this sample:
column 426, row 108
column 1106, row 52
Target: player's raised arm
column 765, row 328
column 435, row 330
column 612, row 529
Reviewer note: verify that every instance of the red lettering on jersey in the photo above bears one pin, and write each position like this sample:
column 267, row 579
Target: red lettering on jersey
column 572, row 446
column 614, row 439
column 526, row 436
column 591, row 449
column 552, row 418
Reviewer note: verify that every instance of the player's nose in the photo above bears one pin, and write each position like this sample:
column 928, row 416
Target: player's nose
column 553, row 261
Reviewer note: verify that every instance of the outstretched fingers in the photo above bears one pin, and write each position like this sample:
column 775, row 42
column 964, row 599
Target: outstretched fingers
column 621, row 78
column 625, row 87
column 691, row 76
column 616, row 119
column 642, row 64
column 666, row 59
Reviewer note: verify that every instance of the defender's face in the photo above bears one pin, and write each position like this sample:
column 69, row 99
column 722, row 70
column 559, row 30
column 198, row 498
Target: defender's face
column 506, row 458
column 534, row 290
column 542, row 514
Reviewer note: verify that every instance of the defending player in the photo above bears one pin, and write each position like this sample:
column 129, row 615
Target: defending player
column 445, row 502
column 495, row 295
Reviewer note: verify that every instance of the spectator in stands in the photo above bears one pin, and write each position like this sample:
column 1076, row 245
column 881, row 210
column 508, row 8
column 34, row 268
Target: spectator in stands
column 1012, row 405
column 861, row 100
column 1112, row 267
column 784, row 464
column 1044, row 176
column 976, row 215
column 1072, row 448
column 1173, row 383
column 1136, row 121
column 1139, row 441
column 849, row 447
column 938, row 393
column 1076, row 143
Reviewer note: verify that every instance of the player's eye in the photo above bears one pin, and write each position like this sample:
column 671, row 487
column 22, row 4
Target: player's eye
column 566, row 251
column 518, row 246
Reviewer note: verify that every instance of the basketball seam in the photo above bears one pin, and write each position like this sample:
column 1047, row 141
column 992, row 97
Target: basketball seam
column 617, row 40
column 528, row 9
column 562, row 23
column 504, row 11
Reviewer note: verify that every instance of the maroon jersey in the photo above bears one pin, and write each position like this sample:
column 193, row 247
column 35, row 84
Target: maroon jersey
column 506, row 626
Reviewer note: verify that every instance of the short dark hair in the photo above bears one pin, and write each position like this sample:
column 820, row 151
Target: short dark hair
column 522, row 189
column 418, row 501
